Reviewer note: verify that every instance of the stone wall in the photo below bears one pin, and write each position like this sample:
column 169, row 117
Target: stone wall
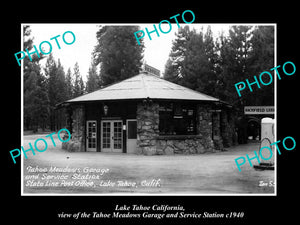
column 216, row 127
column 147, row 128
column 77, row 142
column 149, row 142
column 184, row 145
column 228, row 129
column 204, row 126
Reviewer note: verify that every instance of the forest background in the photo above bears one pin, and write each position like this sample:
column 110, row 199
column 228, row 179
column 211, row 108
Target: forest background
column 197, row 60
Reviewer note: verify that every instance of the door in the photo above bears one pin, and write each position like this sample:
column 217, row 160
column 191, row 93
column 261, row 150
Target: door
column 111, row 136
column 91, row 131
column 131, row 136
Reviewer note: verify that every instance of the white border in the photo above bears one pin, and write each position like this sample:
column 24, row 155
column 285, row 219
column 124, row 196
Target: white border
column 154, row 194
column 22, row 111
column 275, row 105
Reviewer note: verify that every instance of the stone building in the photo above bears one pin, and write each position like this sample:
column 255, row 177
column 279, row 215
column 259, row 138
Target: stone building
column 148, row 115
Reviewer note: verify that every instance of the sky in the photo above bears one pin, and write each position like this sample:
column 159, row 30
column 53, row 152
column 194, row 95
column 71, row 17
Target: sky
column 156, row 50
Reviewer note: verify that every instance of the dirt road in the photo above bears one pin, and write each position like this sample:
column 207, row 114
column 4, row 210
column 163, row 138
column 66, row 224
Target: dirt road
column 56, row 171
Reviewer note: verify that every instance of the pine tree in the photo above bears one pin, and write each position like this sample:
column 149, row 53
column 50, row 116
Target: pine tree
column 78, row 82
column 61, row 83
column 69, row 85
column 36, row 109
column 222, row 66
column 211, row 86
column 81, row 85
column 56, row 85
column 117, row 53
column 174, row 66
column 192, row 60
column 234, row 61
column 194, row 64
column 93, row 81
column 261, row 58
column 171, row 73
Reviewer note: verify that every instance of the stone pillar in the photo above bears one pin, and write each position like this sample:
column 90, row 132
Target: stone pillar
column 204, row 126
column 233, row 129
column 68, row 116
column 77, row 142
column 147, row 128
column 227, row 127
column 216, row 126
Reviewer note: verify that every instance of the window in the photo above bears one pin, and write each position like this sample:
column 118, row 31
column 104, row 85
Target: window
column 177, row 119
column 131, row 129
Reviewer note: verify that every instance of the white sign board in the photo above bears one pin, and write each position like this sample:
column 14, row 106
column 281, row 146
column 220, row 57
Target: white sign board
column 255, row 110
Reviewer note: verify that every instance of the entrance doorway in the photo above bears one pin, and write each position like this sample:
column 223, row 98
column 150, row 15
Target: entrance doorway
column 111, row 136
column 131, row 136
column 253, row 128
column 91, row 131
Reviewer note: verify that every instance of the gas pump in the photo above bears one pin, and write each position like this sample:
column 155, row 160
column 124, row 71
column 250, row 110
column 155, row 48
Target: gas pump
column 267, row 138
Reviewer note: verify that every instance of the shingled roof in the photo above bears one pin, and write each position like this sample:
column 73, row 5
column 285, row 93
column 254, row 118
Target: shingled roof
column 143, row 86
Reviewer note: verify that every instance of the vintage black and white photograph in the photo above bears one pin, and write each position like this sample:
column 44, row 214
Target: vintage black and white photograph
column 149, row 109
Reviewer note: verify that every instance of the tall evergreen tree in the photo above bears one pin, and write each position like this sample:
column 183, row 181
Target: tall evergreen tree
column 213, row 67
column 194, row 64
column 93, row 81
column 171, row 73
column 78, row 82
column 261, row 58
column 192, row 60
column 69, row 85
column 210, row 48
column 117, row 53
column 221, row 67
column 56, row 83
column 174, row 66
column 35, row 106
column 234, row 53
column 61, row 83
